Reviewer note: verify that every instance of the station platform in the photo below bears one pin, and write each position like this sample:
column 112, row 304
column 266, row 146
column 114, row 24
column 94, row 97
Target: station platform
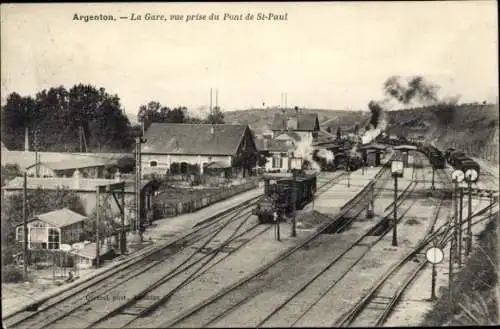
column 332, row 200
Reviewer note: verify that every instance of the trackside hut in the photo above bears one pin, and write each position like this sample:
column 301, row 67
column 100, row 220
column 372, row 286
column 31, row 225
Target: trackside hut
column 86, row 189
column 194, row 144
column 47, row 231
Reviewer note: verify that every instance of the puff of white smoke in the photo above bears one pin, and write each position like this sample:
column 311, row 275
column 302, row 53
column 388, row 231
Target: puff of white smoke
column 354, row 151
column 327, row 155
column 304, row 150
column 370, row 135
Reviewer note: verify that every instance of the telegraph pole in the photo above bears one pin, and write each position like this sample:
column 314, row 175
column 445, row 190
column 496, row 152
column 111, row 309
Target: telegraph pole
column 138, row 226
column 454, row 241
column 469, row 219
column 394, row 226
column 460, row 227
column 25, row 226
column 294, row 200
column 123, row 237
column 97, row 242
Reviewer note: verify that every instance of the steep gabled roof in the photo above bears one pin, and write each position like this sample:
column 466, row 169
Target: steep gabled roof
column 305, row 121
column 193, row 139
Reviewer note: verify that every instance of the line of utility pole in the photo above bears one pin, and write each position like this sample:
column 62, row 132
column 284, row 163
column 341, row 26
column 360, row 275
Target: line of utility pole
column 25, row 225
column 284, row 100
column 216, row 100
column 138, row 141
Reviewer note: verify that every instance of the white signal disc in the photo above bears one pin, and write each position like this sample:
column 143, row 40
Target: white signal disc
column 434, row 255
column 471, row 174
column 457, row 176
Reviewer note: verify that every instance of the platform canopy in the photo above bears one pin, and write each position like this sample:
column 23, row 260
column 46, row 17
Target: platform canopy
column 405, row 148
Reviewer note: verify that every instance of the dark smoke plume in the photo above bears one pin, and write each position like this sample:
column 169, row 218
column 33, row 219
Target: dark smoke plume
column 376, row 110
column 417, row 88
column 377, row 124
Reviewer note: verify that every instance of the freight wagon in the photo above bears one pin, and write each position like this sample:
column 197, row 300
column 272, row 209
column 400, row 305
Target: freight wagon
column 278, row 195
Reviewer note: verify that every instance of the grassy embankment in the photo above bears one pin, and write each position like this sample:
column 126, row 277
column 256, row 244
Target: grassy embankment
column 474, row 288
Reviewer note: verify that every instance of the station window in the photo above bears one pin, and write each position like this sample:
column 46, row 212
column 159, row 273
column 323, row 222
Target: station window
column 54, row 238
column 153, row 163
column 20, row 234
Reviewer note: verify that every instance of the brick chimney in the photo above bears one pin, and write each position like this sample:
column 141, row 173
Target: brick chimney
column 76, row 179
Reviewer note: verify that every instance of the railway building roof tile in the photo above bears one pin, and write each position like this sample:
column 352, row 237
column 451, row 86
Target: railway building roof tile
column 193, row 139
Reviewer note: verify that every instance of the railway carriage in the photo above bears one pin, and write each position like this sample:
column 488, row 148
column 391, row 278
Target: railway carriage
column 278, row 194
column 466, row 163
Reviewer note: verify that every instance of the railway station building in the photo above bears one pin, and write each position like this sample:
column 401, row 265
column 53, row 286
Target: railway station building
column 178, row 146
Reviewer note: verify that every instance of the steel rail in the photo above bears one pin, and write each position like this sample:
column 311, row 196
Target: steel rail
column 133, row 267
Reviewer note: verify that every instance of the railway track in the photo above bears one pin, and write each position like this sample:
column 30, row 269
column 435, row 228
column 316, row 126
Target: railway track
column 230, row 298
column 322, row 283
column 65, row 304
column 376, row 306
column 61, row 306
column 141, row 305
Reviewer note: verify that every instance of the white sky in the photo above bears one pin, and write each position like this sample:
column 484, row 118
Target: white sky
column 326, row 55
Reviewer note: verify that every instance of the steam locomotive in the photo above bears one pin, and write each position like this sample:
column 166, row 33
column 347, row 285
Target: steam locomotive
column 344, row 158
column 278, row 194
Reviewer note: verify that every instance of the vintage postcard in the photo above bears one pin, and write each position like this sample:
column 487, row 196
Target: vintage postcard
column 249, row 164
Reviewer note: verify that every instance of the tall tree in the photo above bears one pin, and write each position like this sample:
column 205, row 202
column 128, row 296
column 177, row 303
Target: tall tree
column 216, row 117
column 65, row 118
column 17, row 114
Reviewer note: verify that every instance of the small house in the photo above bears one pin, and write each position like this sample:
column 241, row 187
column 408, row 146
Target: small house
column 304, row 124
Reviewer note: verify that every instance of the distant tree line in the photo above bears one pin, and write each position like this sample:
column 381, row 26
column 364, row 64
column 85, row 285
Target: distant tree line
column 58, row 119
column 83, row 118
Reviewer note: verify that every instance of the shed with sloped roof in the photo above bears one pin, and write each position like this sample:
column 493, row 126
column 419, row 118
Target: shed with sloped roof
column 50, row 230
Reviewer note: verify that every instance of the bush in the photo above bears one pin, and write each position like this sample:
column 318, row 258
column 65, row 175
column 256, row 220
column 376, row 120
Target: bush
column 11, row 274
